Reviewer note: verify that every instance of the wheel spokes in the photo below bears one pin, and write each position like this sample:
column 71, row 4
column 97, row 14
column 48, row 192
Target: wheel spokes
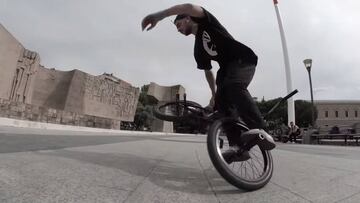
column 251, row 169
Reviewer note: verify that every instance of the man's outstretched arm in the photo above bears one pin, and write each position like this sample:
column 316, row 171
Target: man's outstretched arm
column 188, row 9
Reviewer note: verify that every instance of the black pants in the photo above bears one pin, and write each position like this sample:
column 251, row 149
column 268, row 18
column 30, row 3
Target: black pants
column 292, row 137
column 232, row 94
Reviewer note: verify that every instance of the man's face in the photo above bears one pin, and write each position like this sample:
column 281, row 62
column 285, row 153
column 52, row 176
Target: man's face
column 184, row 26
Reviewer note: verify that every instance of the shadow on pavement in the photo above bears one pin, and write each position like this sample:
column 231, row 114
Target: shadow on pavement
column 24, row 143
column 165, row 174
column 10, row 143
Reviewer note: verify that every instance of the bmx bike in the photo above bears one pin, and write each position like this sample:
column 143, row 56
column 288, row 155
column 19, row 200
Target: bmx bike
column 251, row 167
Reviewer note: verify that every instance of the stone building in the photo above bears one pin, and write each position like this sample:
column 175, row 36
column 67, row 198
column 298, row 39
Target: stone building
column 164, row 94
column 31, row 91
column 337, row 112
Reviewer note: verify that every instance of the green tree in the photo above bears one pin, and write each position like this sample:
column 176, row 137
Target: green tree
column 144, row 111
column 144, row 98
column 279, row 116
column 303, row 113
column 143, row 117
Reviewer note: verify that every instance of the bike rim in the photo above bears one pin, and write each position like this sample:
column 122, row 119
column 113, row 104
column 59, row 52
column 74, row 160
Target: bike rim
column 179, row 110
column 251, row 170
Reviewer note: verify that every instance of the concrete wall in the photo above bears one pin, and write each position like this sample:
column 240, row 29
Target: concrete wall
column 110, row 97
column 51, row 88
column 10, row 50
column 19, row 110
column 165, row 93
column 79, row 92
column 24, row 80
column 76, row 93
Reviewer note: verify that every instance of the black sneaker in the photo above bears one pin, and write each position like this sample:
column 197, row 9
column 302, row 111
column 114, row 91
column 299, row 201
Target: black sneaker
column 267, row 141
column 259, row 137
column 233, row 154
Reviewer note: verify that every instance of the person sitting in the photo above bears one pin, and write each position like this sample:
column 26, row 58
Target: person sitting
column 293, row 132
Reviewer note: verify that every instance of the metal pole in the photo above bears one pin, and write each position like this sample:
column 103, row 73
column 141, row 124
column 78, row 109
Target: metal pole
column 291, row 105
column 312, row 100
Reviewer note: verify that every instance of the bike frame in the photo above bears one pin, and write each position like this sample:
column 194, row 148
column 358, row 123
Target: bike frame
column 215, row 115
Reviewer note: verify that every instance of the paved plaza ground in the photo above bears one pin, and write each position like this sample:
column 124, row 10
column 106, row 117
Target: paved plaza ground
column 66, row 166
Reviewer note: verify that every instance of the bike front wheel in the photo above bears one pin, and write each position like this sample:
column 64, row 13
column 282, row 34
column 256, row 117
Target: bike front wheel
column 177, row 111
column 252, row 174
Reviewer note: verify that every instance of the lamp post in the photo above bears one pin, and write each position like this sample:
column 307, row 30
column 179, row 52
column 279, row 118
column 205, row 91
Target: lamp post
column 308, row 63
column 290, row 101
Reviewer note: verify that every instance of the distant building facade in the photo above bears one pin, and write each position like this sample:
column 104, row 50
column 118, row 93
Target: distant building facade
column 30, row 91
column 164, row 94
column 337, row 112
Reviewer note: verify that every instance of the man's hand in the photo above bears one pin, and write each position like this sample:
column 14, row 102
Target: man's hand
column 151, row 20
column 188, row 9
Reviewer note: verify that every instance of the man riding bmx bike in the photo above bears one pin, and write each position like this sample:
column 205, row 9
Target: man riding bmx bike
column 237, row 63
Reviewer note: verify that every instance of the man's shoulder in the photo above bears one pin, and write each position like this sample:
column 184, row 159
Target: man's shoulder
column 208, row 19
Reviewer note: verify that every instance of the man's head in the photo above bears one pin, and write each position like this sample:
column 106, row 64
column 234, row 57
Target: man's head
column 291, row 123
column 184, row 24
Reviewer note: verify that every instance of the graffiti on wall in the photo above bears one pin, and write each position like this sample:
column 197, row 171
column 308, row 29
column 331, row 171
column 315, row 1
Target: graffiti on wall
column 114, row 92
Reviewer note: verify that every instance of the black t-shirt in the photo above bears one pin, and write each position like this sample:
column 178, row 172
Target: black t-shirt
column 213, row 42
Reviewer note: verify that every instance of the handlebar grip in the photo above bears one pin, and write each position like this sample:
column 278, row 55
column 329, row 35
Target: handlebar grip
column 290, row 95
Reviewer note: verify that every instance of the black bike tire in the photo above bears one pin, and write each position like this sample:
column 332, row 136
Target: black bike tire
column 225, row 172
column 158, row 114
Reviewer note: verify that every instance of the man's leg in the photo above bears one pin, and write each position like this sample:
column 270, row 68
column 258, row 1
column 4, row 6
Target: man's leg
column 233, row 94
column 237, row 95
column 294, row 137
column 237, row 79
column 240, row 98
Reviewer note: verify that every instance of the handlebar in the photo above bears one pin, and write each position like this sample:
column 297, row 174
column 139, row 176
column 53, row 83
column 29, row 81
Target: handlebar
column 281, row 101
column 290, row 95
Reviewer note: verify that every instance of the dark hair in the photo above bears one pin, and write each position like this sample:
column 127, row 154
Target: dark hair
column 180, row 16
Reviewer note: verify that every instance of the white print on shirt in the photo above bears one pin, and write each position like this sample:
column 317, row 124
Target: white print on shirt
column 208, row 45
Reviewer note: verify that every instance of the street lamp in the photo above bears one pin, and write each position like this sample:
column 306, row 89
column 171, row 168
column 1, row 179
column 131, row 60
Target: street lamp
column 308, row 63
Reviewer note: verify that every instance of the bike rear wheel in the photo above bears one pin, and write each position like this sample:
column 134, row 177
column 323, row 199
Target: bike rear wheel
column 177, row 111
column 251, row 174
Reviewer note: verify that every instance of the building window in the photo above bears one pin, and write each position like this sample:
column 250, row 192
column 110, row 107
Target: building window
column 326, row 114
column 336, row 114
column 346, row 114
column 356, row 114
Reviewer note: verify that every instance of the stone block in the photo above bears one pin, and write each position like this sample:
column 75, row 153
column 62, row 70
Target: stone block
column 164, row 94
column 46, row 89
column 34, row 117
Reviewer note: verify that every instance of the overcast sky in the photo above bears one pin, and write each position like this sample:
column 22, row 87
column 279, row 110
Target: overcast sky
column 98, row 36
